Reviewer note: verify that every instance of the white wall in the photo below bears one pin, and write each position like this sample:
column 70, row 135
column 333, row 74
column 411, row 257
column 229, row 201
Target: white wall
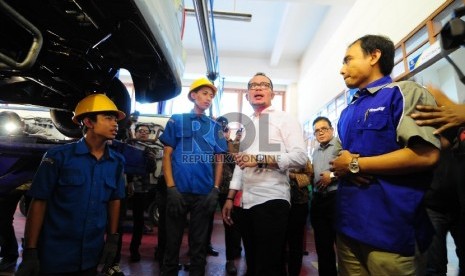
column 242, row 66
column 319, row 79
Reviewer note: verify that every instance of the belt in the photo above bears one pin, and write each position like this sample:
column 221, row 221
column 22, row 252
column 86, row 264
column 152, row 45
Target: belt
column 324, row 194
column 330, row 188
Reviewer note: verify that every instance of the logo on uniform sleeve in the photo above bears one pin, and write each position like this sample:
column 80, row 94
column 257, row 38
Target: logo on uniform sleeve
column 48, row 160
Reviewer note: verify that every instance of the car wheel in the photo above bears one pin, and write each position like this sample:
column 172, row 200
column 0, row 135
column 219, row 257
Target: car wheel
column 62, row 120
column 116, row 91
column 119, row 94
column 154, row 214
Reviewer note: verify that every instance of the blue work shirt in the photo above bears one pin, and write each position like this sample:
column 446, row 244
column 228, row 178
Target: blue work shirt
column 77, row 188
column 195, row 140
column 388, row 213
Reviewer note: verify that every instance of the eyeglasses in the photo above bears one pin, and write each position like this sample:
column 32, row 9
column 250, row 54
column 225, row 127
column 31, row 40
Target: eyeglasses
column 323, row 130
column 255, row 85
column 143, row 131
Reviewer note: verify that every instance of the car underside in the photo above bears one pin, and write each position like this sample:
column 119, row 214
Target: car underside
column 55, row 52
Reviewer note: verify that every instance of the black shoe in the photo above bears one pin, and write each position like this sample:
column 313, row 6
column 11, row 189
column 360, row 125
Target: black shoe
column 7, row 263
column 212, row 252
column 231, row 268
column 135, row 256
column 113, row 270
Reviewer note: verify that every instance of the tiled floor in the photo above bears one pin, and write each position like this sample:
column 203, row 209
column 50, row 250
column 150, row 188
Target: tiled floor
column 215, row 266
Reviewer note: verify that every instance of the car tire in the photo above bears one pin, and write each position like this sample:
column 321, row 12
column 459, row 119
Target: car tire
column 154, row 214
column 62, row 120
column 116, row 91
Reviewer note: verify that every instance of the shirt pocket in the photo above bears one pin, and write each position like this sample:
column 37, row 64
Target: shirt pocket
column 109, row 188
column 212, row 145
column 70, row 186
column 183, row 138
column 377, row 134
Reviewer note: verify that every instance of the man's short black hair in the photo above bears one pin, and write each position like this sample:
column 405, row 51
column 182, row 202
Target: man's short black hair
column 264, row 75
column 322, row 118
column 370, row 43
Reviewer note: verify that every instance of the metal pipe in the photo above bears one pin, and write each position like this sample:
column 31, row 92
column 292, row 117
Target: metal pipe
column 232, row 16
column 8, row 63
column 209, row 50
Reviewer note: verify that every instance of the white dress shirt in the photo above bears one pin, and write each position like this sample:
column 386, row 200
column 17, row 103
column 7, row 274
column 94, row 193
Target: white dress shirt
column 273, row 133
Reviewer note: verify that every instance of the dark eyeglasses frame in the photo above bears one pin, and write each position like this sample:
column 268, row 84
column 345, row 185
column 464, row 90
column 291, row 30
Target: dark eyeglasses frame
column 255, row 85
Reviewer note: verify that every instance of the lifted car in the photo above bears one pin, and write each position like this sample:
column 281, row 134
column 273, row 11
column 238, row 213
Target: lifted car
column 55, row 52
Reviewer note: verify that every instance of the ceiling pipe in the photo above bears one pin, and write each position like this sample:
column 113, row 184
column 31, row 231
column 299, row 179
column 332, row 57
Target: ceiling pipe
column 232, row 16
column 209, row 49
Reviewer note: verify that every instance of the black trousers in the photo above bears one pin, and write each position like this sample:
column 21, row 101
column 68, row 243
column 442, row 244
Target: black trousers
column 322, row 217
column 8, row 242
column 88, row 272
column 138, row 206
column 263, row 229
column 160, row 199
column 232, row 236
column 198, row 228
column 295, row 237
column 122, row 217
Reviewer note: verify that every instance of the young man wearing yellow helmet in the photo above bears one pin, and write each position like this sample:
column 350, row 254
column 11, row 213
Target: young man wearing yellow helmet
column 76, row 192
column 192, row 144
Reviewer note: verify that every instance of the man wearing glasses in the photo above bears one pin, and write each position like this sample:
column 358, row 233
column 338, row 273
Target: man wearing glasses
column 139, row 187
column 323, row 204
column 261, row 173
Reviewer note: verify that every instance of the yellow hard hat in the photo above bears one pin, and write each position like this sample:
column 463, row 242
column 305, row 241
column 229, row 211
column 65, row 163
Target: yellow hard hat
column 96, row 103
column 199, row 83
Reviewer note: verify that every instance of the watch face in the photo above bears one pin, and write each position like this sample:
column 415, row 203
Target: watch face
column 353, row 166
column 260, row 157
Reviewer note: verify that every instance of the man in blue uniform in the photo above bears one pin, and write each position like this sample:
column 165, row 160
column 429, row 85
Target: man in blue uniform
column 192, row 143
column 385, row 167
column 12, row 125
column 76, row 197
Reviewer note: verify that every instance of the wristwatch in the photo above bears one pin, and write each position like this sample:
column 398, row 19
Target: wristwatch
column 261, row 162
column 332, row 176
column 353, row 165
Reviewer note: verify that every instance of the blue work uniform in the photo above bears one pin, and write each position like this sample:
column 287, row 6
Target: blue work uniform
column 77, row 188
column 195, row 140
column 388, row 213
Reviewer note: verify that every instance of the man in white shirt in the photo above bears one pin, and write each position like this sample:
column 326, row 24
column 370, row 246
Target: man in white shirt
column 273, row 143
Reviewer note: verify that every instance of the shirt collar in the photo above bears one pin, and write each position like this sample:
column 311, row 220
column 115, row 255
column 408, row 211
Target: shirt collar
column 330, row 143
column 269, row 109
column 202, row 116
column 81, row 148
column 373, row 87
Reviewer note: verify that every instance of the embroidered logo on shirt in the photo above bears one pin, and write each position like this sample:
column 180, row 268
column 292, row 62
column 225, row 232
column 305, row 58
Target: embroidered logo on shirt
column 381, row 108
column 48, row 160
